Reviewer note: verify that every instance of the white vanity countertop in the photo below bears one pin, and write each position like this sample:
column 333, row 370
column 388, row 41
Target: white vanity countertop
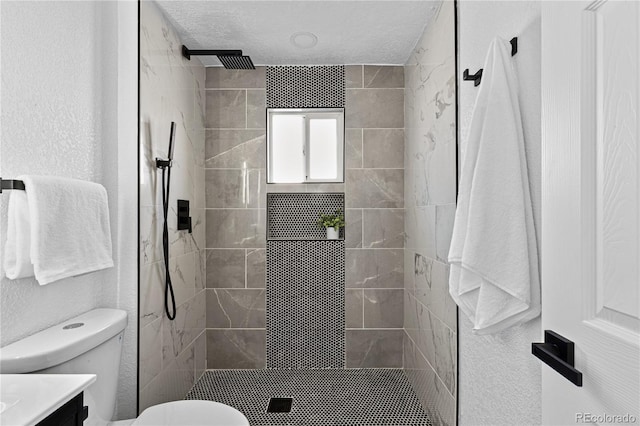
column 26, row 399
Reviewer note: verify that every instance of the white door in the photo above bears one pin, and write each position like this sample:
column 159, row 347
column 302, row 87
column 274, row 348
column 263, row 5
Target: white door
column 591, row 207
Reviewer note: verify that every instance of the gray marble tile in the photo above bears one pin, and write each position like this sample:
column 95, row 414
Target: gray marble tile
column 150, row 352
column 256, row 268
column 374, row 108
column 422, row 279
column 408, row 353
column 226, row 109
column 151, row 293
column 200, row 354
column 430, row 185
column 420, row 230
column 376, row 188
column 225, row 188
column 383, row 228
column 232, row 348
column 201, row 269
column 222, row 78
column 445, row 347
column 172, row 384
column 235, row 308
column 410, row 317
column 256, row 188
column 225, row 268
column 235, row 149
column 308, row 187
column 374, row 268
column 438, row 402
column 151, row 395
column 445, row 216
column 426, row 331
column 234, row 188
column 199, row 182
column 409, row 285
column 171, row 89
column 383, row 308
column 383, row 148
column 374, row 348
column 450, row 312
column 353, row 76
column 353, row 148
column 199, row 234
column 256, row 109
column 180, row 333
column 353, row 228
column 376, row 76
column 184, row 371
column 236, row 228
column 183, row 276
column 354, row 308
column 150, row 234
column 440, row 301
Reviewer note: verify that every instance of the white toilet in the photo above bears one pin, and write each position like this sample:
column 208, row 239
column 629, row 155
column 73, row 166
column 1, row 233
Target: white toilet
column 91, row 344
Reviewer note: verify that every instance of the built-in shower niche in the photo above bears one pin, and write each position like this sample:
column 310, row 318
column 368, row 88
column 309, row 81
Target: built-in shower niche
column 294, row 216
column 305, row 296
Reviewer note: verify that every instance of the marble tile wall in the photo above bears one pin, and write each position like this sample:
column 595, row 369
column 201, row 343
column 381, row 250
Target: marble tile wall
column 172, row 353
column 235, row 165
column 430, row 321
column 374, row 199
column 235, row 181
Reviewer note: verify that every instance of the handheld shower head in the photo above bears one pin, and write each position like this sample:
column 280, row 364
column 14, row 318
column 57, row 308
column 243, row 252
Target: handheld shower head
column 172, row 136
column 160, row 163
column 231, row 59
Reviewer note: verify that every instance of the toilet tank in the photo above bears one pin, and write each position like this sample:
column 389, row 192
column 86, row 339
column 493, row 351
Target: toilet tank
column 87, row 344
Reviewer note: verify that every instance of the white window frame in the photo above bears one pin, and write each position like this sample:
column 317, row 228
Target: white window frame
column 308, row 114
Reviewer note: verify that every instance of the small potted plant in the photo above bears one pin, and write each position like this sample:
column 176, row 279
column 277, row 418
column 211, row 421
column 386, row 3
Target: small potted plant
column 332, row 223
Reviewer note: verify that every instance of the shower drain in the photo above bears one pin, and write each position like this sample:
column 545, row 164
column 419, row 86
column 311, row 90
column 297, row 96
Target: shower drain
column 279, row 405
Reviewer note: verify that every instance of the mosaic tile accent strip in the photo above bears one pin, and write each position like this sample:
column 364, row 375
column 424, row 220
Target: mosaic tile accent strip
column 305, row 87
column 294, row 216
column 371, row 397
column 305, row 304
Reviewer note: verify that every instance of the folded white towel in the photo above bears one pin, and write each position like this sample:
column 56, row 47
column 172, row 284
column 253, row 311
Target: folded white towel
column 494, row 275
column 57, row 228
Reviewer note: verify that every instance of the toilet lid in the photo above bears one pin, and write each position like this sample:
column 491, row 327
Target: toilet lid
column 191, row 413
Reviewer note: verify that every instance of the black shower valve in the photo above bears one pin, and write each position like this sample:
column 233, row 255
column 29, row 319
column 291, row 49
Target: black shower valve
column 184, row 220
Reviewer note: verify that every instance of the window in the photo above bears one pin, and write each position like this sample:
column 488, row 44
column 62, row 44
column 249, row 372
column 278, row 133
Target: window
column 305, row 145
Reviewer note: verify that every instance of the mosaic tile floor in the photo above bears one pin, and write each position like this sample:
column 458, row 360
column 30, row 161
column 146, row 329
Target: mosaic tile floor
column 367, row 397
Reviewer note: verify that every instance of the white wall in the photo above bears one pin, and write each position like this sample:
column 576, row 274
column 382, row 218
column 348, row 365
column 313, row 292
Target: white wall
column 499, row 379
column 65, row 78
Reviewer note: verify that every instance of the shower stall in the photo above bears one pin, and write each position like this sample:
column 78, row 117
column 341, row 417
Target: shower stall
column 271, row 317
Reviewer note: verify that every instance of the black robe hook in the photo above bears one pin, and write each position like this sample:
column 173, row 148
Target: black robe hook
column 477, row 77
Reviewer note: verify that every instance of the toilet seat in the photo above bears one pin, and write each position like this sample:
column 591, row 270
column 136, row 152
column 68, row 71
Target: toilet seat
column 191, row 413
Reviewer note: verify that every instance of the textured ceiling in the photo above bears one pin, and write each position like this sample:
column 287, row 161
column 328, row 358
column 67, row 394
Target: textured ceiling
column 349, row 32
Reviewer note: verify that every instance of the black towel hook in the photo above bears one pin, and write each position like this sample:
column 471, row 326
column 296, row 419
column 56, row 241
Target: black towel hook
column 477, row 77
column 11, row 184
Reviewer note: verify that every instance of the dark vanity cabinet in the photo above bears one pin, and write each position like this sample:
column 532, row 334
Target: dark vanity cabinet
column 72, row 413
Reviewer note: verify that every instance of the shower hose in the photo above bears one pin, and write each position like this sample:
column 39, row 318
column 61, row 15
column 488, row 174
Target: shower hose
column 168, row 287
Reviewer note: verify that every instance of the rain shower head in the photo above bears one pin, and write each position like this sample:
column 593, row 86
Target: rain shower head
column 232, row 62
column 231, row 59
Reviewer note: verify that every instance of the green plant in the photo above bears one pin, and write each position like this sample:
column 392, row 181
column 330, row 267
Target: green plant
column 335, row 220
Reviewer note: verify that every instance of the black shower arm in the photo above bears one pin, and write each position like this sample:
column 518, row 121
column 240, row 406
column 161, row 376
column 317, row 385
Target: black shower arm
column 187, row 53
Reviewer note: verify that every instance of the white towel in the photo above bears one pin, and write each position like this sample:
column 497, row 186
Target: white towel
column 57, row 228
column 494, row 275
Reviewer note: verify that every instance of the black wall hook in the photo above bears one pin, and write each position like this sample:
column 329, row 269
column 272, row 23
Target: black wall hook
column 11, row 184
column 477, row 77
